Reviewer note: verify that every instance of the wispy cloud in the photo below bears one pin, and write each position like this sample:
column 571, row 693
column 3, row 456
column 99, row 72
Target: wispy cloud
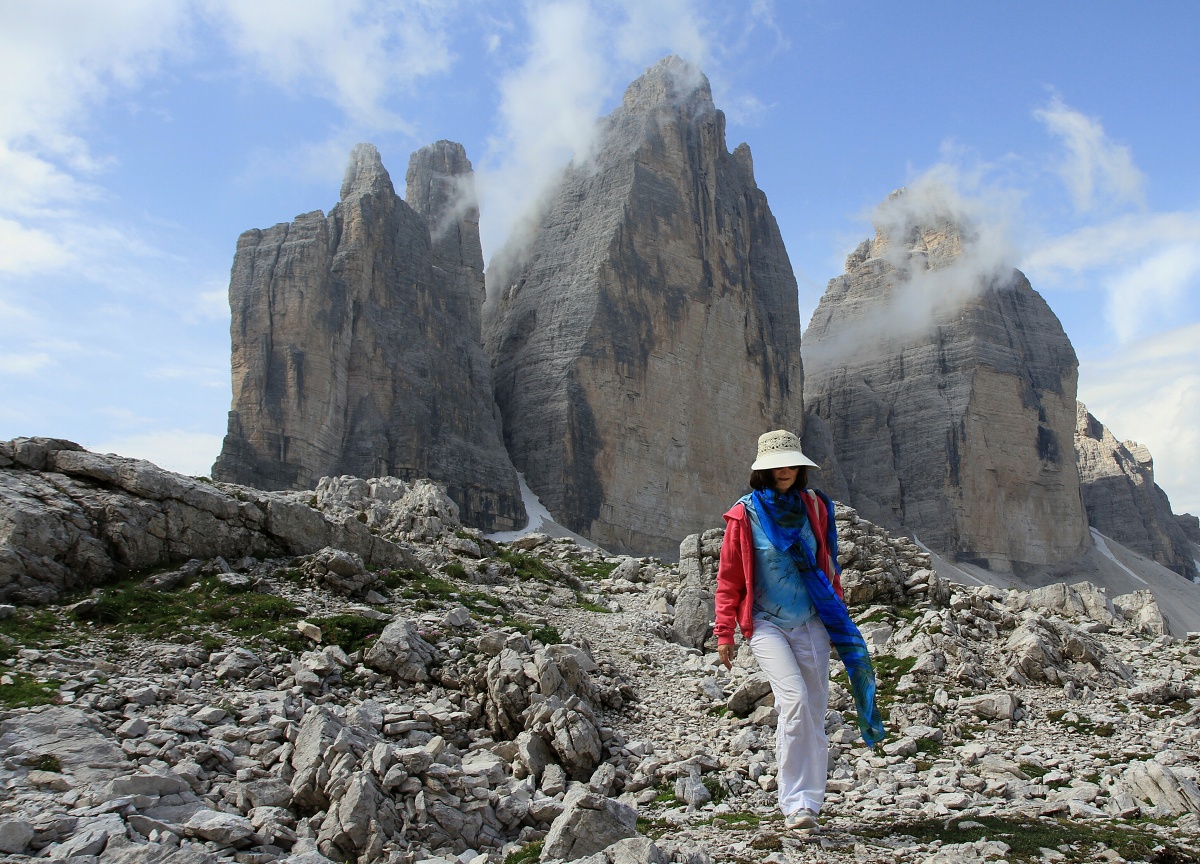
column 356, row 53
column 24, row 250
column 548, row 109
column 22, row 365
column 1096, row 170
column 1150, row 392
column 947, row 236
column 59, row 59
column 1145, row 265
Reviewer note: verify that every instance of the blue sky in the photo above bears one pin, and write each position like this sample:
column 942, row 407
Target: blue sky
column 139, row 138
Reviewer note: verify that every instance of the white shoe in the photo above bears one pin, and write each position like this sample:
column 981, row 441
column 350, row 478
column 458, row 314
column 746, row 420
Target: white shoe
column 801, row 820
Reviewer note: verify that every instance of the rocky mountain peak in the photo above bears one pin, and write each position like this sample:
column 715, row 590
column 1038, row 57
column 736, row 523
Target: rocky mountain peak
column 434, row 177
column 922, row 231
column 365, row 174
column 670, row 82
column 929, row 337
column 356, row 345
column 649, row 331
column 440, row 186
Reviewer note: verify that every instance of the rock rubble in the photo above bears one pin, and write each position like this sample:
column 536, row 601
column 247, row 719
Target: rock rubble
column 541, row 700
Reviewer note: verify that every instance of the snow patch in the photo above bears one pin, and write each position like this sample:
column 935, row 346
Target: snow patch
column 538, row 514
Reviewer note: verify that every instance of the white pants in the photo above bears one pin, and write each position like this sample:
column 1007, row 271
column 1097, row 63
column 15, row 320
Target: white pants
column 797, row 664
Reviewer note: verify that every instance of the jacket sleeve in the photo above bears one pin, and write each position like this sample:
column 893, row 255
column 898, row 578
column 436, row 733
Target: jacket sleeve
column 731, row 579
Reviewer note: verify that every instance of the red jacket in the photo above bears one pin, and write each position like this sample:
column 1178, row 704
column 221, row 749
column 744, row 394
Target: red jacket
column 735, row 573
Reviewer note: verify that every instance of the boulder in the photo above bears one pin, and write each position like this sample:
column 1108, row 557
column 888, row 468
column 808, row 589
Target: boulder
column 589, row 824
column 400, row 651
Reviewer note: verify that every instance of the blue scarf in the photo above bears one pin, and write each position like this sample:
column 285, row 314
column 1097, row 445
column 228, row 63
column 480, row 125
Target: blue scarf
column 781, row 517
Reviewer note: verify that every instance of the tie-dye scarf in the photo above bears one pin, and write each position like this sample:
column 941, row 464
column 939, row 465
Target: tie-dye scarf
column 781, row 517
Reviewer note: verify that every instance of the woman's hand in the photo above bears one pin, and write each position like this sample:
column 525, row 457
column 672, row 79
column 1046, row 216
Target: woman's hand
column 727, row 653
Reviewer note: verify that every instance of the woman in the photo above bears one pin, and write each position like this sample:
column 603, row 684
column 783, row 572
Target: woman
column 778, row 580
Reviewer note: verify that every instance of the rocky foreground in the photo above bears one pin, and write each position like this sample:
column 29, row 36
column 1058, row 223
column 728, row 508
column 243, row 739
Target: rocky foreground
column 469, row 701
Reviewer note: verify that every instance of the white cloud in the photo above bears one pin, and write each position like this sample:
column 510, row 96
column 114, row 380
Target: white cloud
column 1146, row 265
column 214, row 304
column 548, row 110
column 1094, row 167
column 59, row 59
column 1114, row 242
column 966, row 243
column 24, row 250
column 190, row 453
column 24, row 364
column 1145, row 296
column 356, row 53
column 1149, row 392
column 649, row 29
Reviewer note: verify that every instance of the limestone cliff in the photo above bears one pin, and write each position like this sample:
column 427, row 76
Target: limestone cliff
column 949, row 388
column 356, row 343
column 1122, row 499
column 649, row 332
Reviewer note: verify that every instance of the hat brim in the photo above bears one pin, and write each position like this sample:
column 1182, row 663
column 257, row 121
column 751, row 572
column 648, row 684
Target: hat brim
column 783, row 459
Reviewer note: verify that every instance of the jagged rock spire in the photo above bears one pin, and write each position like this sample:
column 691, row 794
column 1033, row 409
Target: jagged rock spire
column 356, row 348
column 649, row 332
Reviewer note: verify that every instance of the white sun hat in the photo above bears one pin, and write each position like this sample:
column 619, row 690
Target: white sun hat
column 780, row 449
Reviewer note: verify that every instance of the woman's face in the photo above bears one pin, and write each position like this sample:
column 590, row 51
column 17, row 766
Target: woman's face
column 784, row 478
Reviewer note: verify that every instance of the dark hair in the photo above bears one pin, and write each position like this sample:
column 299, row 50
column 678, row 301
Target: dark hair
column 764, row 478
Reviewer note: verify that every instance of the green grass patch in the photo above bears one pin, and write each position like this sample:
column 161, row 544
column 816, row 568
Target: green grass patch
column 394, row 579
column 292, row 574
column 530, row 568
column 767, row 843
column 1080, row 840
column 653, row 828
column 547, row 635
column 29, row 628
column 348, row 631
column 592, row 569
column 1034, row 771
column 715, row 790
column 583, row 603
column 666, row 793
column 1082, row 725
column 188, row 614
column 526, row 854
column 26, row 691
column 49, row 762
column 888, row 670
column 742, row 820
column 431, row 592
column 928, row 747
column 455, row 570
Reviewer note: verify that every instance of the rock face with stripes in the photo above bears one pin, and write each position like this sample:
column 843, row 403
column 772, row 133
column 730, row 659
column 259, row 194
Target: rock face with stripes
column 1122, row 499
column 356, row 343
column 648, row 331
column 948, row 386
